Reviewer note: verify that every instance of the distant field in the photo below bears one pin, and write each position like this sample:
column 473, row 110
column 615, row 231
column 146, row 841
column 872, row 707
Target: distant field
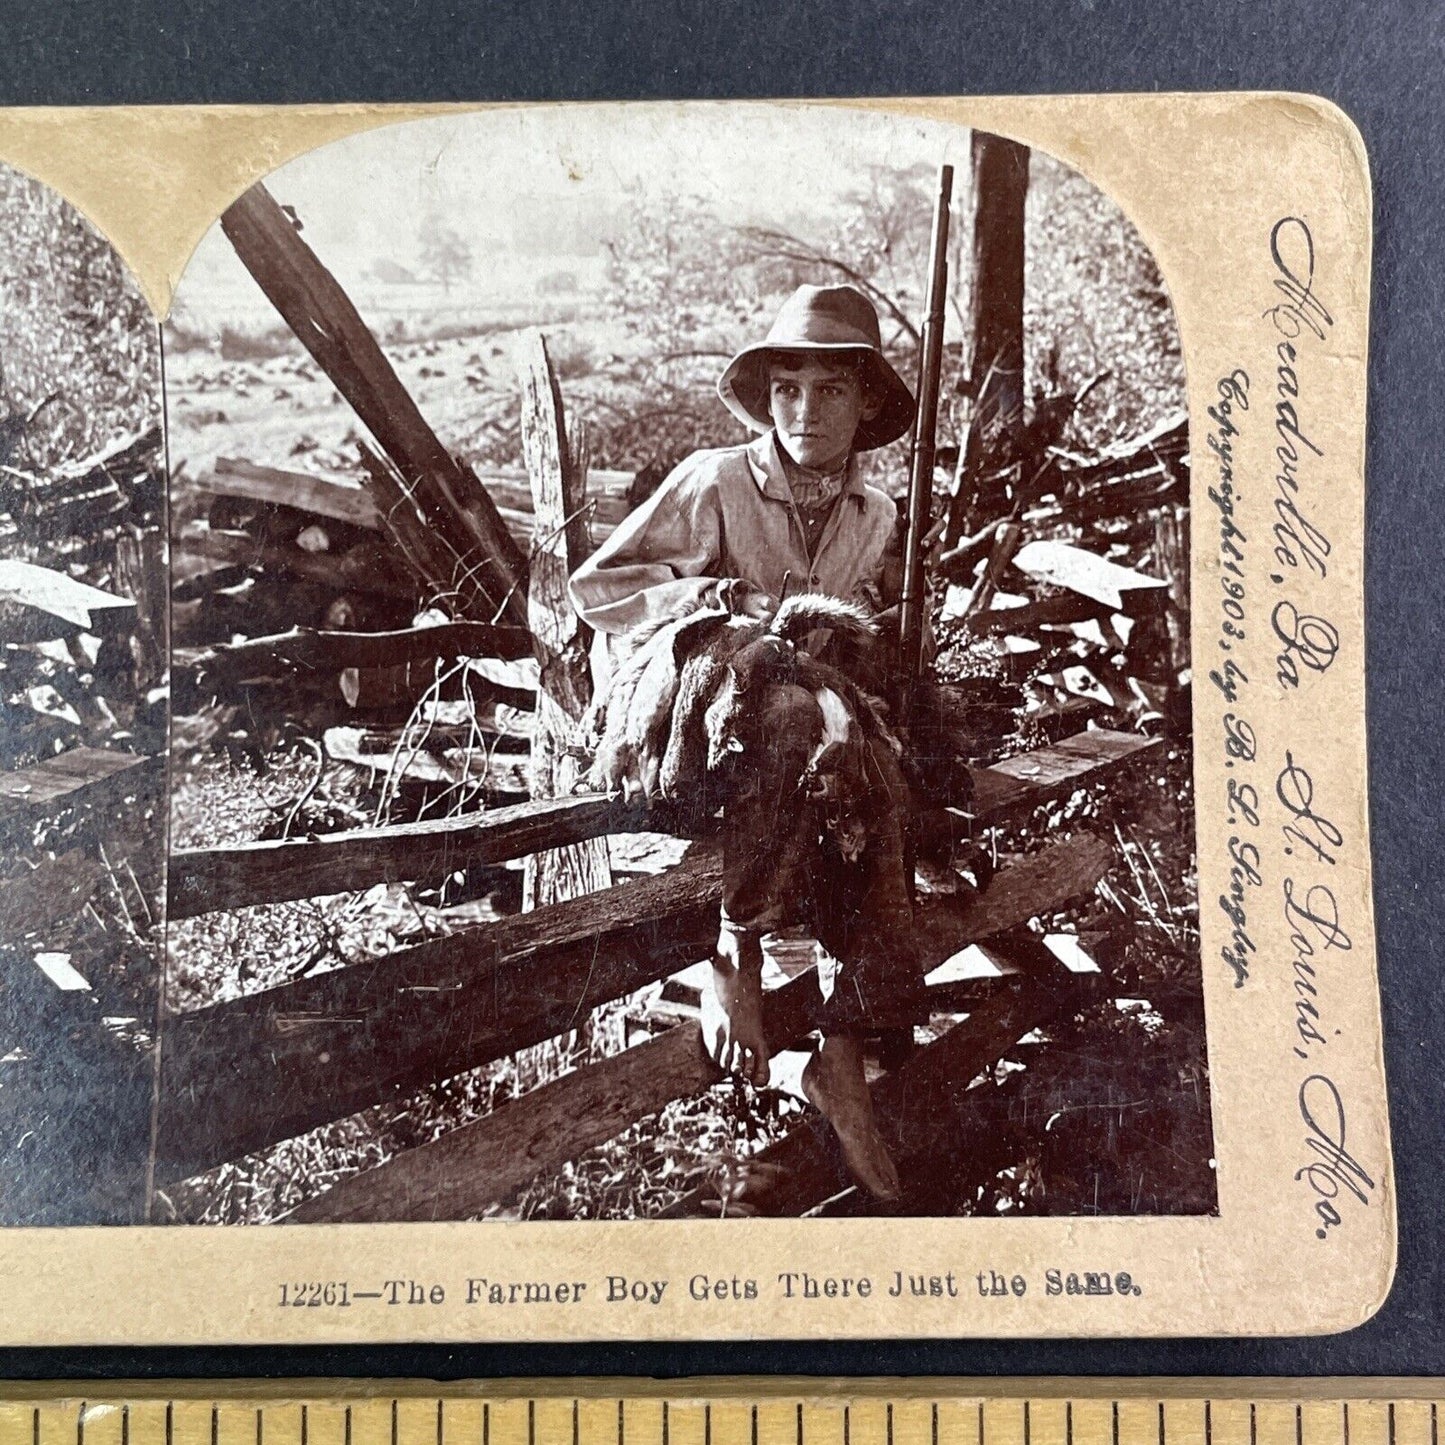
column 245, row 387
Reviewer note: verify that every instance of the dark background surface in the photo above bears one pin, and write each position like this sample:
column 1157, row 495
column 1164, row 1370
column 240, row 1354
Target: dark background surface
column 1384, row 63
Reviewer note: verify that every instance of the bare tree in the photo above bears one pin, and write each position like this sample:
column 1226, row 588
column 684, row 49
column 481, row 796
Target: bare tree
column 445, row 254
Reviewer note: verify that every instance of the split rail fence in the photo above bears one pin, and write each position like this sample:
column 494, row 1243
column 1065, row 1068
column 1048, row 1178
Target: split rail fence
column 82, row 732
column 240, row 1076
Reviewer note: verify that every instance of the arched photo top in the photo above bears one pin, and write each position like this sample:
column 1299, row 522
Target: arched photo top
column 650, row 242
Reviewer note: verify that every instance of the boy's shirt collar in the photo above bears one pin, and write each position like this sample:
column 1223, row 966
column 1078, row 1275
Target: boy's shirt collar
column 766, row 464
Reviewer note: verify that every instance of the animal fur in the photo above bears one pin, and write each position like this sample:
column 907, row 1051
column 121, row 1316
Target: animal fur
column 685, row 760
column 650, row 712
column 664, row 722
column 846, row 722
column 837, row 775
column 630, row 723
column 852, row 631
column 776, row 655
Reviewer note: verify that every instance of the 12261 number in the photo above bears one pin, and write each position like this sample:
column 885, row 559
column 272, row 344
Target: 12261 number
column 313, row 1294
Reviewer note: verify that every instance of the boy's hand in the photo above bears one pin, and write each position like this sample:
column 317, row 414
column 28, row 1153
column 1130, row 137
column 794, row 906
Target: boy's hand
column 744, row 599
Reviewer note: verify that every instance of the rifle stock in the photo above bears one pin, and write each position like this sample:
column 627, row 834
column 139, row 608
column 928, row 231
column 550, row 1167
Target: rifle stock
column 911, row 620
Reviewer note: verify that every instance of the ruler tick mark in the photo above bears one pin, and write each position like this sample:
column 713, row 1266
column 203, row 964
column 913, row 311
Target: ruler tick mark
column 896, row 1431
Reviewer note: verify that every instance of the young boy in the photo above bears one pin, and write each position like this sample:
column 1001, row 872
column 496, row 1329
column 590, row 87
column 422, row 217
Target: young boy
column 787, row 512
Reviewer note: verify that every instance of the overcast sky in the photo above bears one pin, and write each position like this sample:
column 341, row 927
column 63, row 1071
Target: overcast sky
column 528, row 187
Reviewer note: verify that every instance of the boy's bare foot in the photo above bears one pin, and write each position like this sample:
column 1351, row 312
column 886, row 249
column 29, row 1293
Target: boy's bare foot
column 732, row 1007
column 835, row 1083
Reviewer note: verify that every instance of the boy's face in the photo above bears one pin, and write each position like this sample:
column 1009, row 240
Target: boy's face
column 816, row 406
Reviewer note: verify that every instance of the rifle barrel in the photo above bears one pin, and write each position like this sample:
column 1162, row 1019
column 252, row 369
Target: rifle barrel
column 920, row 487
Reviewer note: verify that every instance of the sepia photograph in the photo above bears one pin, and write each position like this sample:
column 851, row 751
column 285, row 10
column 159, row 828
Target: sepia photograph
column 83, row 715
column 680, row 648
column 582, row 679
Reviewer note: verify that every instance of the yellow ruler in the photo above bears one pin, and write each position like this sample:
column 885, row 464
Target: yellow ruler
column 729, row 1412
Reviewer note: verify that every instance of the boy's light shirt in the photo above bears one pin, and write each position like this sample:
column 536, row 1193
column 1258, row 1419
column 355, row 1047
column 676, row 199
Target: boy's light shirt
column 729, row 513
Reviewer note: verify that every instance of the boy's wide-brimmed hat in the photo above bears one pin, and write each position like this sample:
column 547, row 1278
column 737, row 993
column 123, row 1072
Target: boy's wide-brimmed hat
column 826, row 319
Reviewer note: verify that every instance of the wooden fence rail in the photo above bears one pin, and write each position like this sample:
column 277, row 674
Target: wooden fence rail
column 330, row 328
column 243, row 1074
column 95, row 777
column 482, row 1162
column 921, row 1106
column 237, row 1076
column 312, row 648
column 370, row 571
column 206, row 880
column 342, row 498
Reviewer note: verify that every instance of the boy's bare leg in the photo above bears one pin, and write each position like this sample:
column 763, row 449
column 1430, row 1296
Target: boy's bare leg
column 732, row 1007
column 835, row 1083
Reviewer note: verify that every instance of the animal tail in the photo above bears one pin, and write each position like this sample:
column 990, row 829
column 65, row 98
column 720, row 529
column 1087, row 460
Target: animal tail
column 807, row 612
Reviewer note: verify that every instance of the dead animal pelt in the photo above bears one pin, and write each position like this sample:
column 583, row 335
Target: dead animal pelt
column 663, row 724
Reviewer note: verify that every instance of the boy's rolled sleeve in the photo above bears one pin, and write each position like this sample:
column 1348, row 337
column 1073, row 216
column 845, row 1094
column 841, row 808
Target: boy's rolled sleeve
column 663, row 558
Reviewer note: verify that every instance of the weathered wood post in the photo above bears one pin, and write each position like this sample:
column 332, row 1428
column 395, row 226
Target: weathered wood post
column 1168, row 638
column 993, row 381
column 445, row 493
column 558, row 474
column 140, row 574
